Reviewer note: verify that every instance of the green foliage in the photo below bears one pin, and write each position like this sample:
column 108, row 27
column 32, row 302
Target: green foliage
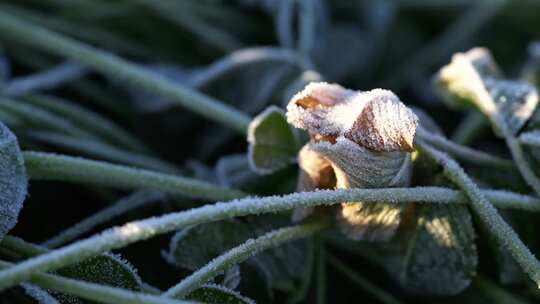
column 161, row 98
column 272, row 142
column 107, row 269
column 14, row 180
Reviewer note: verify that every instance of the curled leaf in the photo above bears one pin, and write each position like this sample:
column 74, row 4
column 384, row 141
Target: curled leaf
column 358, row 167
column 375, row 119
column 366, row 138
column 472, row 78
column 316, row 172
column 14, row 180
column 272, row 142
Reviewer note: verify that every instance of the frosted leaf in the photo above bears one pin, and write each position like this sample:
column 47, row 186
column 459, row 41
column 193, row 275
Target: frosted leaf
column 14, row 181
column 441, row 258
column 309, row 109
column 316, row 172
column 358, row 167
column 217, row 294
column 272, row 142
column 234, row 171
column 515, row 100
column 106, row 269
column 40, row 295
column 385, row 123
column 375, row 119
column 472, row 78
column 193, row 247
column 366, row 137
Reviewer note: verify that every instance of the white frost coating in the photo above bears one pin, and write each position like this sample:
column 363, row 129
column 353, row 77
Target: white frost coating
column 357, row 167
column 239, row 254
column 309, row 109
column 38, row 294
column 374, row 119
column 316, row 172
column 507, row 104
column 228, row 291
column 365, row 136
column 13, row 180
column 503, row 233
column 112, row 238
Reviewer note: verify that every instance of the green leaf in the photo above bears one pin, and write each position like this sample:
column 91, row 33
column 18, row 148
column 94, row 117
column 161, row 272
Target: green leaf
column 281, row 267
column 106, row 269
column 194, row 247
column 272, row 142
column 216, row 294
column 441, row 258
column 234, row 171
column 14, row 181
column 472, row 78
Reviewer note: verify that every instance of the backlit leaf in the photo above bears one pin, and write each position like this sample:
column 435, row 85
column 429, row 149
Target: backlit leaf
column 472, row 78
column 441, row 258
column 272, row 142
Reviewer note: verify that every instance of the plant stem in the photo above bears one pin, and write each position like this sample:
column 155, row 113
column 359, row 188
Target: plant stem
column 50, row 166
column 464, row 153
column 132, row 232
column 88, row 120
column 239, row 254
column 488, row 214
column 245, row 57
column 362, row 282
column 46, row 80
column 93, row 292
column 125, row 204
column 36, row 117
column 115, row 67
column 100, row 150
